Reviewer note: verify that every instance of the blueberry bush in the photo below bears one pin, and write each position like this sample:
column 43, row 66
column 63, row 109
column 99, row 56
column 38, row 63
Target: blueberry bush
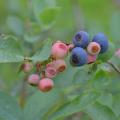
column 59, row 60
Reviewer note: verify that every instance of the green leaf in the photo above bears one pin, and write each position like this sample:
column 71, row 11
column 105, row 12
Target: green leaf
column 44, row 53
column 76, row 105
column 113, row 102
column 10, row 50
column 116, row 104
column 45, row 12
column 41, row 103
column 32, row 34
column 85, row 117
column 15, row 24
column 47, row 17
column 106, row 99
column 31, row 38
column 114, row 25
column 118, row 118
column 73, row 76
column 79, row 76
column 39, row 5
column 101, row 80
column 66, row 78
column 9, row 109
column 99, row 112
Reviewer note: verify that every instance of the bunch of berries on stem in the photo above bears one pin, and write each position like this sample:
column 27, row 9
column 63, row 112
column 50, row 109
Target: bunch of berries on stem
column 82, row 51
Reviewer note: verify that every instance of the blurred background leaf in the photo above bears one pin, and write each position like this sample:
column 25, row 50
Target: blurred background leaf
column 10, row 50
column 39, row 104
column 9, row 109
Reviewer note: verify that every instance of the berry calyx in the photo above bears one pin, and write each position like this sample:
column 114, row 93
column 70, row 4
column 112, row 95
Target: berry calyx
column 81, row 39
column 59, row 50
column 93, row 48
column 50, row 72
column 45, row 84
column 33, row 79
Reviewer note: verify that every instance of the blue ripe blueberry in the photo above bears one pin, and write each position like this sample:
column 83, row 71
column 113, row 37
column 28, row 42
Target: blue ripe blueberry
column 102, row 40
column 78, row 56
column 81, row 39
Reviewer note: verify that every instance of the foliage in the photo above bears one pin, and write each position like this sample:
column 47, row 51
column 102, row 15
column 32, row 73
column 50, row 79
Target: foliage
column 28, row 29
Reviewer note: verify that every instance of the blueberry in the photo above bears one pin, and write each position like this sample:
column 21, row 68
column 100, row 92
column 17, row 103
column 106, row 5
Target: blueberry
column 78, row 57
column 81, row 39
column 102, row 40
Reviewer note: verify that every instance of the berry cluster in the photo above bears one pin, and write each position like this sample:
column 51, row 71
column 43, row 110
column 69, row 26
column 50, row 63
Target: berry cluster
column 86, row 52
column 48, row 69
column 82, row 52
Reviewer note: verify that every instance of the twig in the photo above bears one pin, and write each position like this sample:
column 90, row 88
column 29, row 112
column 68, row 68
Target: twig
column 23, row 92
column 114, row 67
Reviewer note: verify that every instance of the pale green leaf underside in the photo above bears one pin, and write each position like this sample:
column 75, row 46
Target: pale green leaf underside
column 10, row 50
column 9, row 109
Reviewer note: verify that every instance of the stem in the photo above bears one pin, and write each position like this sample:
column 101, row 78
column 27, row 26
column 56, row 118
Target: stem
column 23, row 92
column 75, row 115
column 114, row 67
column 43, row 74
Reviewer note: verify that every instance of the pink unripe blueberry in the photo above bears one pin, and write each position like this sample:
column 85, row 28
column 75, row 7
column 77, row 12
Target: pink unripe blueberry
column 59, row 50
column 33, row 79
column 60, row 65
column 91, row 58
column 50, row 72
column 45, row 84
column 117, row 53
column 93, row 48
column 27, row 67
